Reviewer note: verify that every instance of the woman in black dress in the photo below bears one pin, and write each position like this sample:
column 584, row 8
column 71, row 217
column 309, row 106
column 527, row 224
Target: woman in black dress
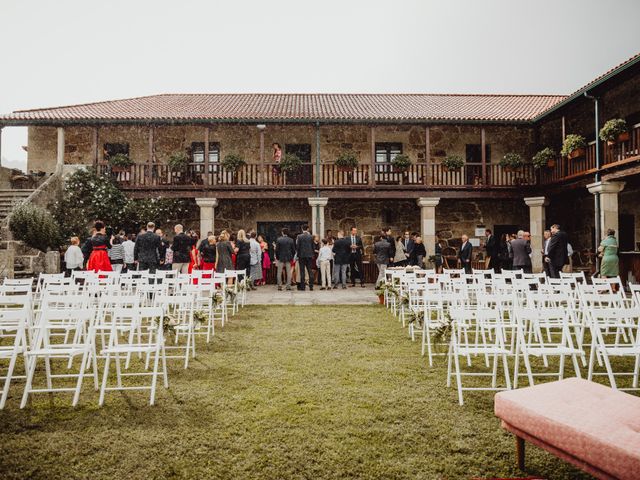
column 99, row 243
column 243, row 255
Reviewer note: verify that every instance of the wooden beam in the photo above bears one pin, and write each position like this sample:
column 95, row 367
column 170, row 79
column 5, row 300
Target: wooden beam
column 427, row 155
column 207, row 178
column 261, row 171
column 94, row 146
column 372, row 166
column 150, row 154
column 564, row 131
column 483, row 154
column 520, row 452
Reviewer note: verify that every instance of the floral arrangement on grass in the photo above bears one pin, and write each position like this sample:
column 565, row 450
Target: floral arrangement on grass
column 178, row 161
column 544, row 158
column 511, row 161
column 401, row 162
column 613, row 129
column 573, row 146
column 290, row 163
column 120, row 160
column 347, row 161
column 233, row 162
column 453, row 162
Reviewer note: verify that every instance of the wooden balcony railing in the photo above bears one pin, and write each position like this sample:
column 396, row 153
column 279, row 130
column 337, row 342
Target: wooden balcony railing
column 418, row 175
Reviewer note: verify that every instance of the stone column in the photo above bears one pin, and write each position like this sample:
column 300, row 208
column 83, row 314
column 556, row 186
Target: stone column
column 207, row 215
column 428, row 222
column 537, row 222
column 608, row 205
column 317, row 214
column 60, row 150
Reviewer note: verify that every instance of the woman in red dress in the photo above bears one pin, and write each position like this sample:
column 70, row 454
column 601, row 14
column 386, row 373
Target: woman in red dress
column 266, row 260
column 99, row 258
column 208, row 254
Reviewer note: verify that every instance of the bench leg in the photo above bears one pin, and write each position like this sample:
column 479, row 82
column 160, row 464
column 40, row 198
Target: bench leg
column 520, row 452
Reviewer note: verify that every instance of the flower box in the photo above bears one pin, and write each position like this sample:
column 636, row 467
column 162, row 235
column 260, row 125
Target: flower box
column 577, row 153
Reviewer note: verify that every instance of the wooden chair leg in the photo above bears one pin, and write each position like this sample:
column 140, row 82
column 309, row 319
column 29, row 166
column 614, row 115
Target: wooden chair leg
column 520, row 452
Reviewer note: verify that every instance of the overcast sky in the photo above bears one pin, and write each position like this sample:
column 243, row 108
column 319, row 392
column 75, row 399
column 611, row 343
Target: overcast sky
column 73, row 51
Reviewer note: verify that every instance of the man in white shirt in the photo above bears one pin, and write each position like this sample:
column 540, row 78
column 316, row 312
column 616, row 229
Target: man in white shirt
column 545, row 250
column 325, row 255
column 129, row 245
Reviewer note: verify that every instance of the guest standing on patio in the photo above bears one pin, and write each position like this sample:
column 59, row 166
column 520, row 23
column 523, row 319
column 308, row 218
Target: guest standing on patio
column 465, row 254
column 521, row 253
column 99, row 258
column 557, row 251
column 341, row 259
column 243, row 252
column 305, row 249
column 418, row 252
column 609, row 265
column 255, row 264
column 355, row 260
column 401, row 258
column 285, row 252
column 129, row 260
column 146, row 249
column 208, row 253
column 325, row 255
column 381, row 253
column 181, row 247
column 73, row 258
column 116, row 254
column 266, row 259
column 194, row 253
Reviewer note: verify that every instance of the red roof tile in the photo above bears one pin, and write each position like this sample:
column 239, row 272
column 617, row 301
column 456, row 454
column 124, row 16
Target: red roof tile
column 311, row 107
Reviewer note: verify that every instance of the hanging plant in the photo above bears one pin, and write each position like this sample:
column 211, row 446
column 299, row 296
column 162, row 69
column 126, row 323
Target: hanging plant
column 178, row 161
column 511, row 161
column 120, row 160
column 614, row 130
column 574, row 146
column 544, row 158
column 453, row 162
column 347, row 161
column 233, row 162
column 290, row 163
column 401, row 163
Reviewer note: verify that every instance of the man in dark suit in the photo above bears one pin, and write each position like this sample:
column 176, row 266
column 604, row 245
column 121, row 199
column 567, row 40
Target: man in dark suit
column 491, row 246
column 145, row 250
column 341, row 259
column 408, row 243
column 557, row 256
column 285, row 251
column 355, row 259
column 181, row 247
column 466, row 250
column 521, row 253
column 305, row 248
column 386, row 233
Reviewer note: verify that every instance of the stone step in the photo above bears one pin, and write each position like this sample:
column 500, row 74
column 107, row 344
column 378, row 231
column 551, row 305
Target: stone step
column 16, row 193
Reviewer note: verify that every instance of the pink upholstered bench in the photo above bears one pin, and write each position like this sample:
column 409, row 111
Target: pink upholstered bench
column 587, row 424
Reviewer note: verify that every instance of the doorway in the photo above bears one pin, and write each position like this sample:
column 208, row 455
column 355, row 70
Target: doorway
column 270, row 231
column 627, row 233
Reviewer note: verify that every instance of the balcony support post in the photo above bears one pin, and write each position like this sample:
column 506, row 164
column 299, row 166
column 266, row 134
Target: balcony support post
column 317, row 182
column 150, row 159
column 60, row 150
column 207, row 215
column 372, row 166
column 483, row 153
column 94, row 146
column 428, row 222
column 427, row 155
column 537, row 220
column 207, row 178
column 317, row 205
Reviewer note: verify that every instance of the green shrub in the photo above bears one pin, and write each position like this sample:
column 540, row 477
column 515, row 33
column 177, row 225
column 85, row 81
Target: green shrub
column 35, row 226
column 543, row 157
column 572, row 142
column 511, row 160
column 347, row 160
column 612, row 129
column 453, row 162
column 401, row 162
column 233, row 162
column 290, row 163
column 178, row 161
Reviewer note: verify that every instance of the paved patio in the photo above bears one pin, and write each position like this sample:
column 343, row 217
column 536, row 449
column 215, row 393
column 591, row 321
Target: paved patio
column 270, row 295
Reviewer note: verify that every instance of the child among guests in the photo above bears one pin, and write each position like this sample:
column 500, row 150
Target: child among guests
column 325, row 255
column 73, row 257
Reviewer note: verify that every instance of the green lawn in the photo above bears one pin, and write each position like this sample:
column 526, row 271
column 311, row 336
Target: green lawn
column 281, row 392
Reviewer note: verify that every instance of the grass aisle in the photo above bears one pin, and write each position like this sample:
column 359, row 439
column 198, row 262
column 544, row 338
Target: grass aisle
column 282, row 392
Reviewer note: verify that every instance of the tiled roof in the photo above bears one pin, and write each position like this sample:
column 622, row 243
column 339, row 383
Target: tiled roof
column 297, row 107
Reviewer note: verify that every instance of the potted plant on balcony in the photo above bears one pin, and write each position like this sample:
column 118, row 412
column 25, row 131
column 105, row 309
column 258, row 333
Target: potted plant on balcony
column 178, row 161
column 511, row 161
column 453, row 162
column 233, row 162
column 544, row 158
column 574, row 146
column 290, row 163
column 120, row 162
column 401, row 163
column 346, row 162
column 614, row 130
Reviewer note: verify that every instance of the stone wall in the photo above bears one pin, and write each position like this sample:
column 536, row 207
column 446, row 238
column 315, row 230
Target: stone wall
column 245, row 140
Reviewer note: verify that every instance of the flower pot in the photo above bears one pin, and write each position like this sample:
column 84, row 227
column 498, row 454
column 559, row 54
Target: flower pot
column 345, row 169
column 400, row 169
column 119, row 168
column 551, row 163
column 452, row 169
column 611, row 143
column 623, row 137
column 381, row 299
column 577, row 153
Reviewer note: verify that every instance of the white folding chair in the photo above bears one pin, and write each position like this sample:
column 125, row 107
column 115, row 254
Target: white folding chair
column 13, row 325
column 178, row 317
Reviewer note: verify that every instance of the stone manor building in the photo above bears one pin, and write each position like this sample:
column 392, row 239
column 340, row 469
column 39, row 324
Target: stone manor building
column 427, row 197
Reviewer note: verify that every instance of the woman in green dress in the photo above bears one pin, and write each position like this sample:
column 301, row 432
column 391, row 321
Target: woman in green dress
column 609, row 251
